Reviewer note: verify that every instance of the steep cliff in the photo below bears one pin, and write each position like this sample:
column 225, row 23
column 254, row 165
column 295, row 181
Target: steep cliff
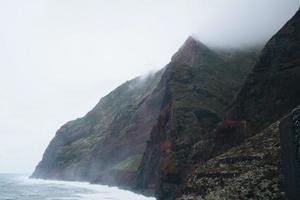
column 141, row 135
column 200, row 84
column 272, row 88
column 178, row 131
column 107, row 143
column 266, row 165
column 190, row 129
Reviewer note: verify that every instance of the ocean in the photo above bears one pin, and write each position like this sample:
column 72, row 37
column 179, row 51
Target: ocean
column 20, row 187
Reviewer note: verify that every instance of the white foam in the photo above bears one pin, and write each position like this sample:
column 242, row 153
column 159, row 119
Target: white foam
column 96, row 192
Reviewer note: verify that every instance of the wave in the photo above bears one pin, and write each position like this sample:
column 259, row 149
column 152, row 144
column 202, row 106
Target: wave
column 85, row 190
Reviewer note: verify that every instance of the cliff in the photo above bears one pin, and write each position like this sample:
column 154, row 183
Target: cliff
column 139, row 134
column 272, row 88
column 199, row 86
column 193, row 128
column 109, row 141
column 264, row 162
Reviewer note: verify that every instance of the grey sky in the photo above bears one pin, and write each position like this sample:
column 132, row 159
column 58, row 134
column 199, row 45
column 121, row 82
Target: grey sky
column 58, row 57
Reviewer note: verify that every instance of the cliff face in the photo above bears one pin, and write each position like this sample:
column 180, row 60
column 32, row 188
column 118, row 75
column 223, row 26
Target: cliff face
column 199, row 86
column 107, row 143
column 140, row 135
column 272, row 88
column 266, row 165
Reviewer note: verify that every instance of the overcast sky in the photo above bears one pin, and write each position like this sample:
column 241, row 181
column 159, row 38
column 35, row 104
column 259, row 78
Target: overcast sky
column 59, row 57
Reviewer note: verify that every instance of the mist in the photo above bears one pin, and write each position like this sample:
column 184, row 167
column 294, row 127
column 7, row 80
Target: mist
column 59, row 57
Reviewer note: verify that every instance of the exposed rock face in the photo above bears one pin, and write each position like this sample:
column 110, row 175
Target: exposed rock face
column 141, row 135
column 272, row 89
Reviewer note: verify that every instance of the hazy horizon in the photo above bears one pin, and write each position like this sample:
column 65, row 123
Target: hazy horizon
column 58, row 58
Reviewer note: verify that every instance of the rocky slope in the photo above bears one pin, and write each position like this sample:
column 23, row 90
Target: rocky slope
column 248, row 171
column 264, row 166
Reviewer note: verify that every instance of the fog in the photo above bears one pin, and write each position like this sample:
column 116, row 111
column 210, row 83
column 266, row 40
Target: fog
column 59, row 57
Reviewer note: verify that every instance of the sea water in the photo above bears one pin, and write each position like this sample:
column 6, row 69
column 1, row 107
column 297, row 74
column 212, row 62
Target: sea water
column 20, row 187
